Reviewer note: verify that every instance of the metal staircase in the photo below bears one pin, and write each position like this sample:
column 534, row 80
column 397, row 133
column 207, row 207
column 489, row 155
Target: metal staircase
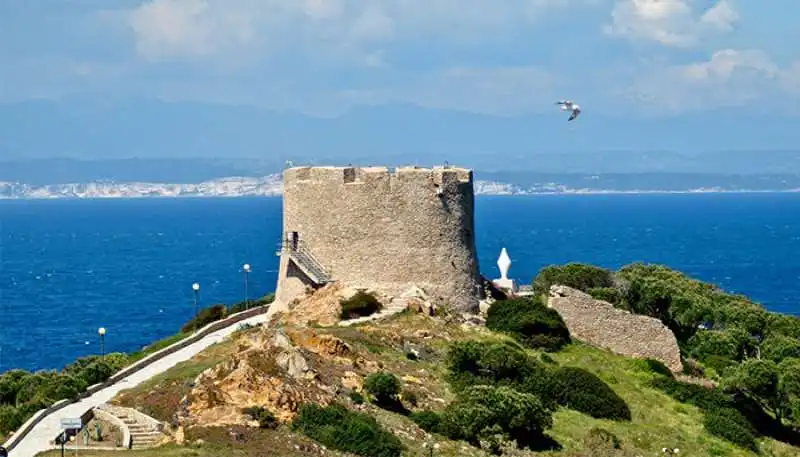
column 301, row 255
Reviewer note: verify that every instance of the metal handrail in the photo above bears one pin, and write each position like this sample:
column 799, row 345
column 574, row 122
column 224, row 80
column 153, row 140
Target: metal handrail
column 301, row 248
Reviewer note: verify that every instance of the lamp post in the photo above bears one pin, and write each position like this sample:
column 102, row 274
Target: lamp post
column 102, row 332
column 196, row 291
column 246, row 269
column 430, row 448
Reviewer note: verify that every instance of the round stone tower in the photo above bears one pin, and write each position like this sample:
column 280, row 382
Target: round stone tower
column 380, row 229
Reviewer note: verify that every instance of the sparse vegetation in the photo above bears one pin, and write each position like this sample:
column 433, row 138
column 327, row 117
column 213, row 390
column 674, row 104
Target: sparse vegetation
column 264, row 416
column 339, row 428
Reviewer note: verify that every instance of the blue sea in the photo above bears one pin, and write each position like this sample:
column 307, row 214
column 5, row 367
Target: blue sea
column 68, row 267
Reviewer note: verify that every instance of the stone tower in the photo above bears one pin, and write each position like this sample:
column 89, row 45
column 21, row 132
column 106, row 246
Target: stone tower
column 380, row 229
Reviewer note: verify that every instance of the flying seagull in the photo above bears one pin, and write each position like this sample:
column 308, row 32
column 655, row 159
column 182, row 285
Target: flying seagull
column 569, row 105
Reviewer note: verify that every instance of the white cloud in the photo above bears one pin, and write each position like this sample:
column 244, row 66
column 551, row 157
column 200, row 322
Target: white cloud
column 728, row 78
column 679, row 23
column 201, row 28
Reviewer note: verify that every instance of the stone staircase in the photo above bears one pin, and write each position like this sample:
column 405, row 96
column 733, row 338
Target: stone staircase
column 145, row 431
column 395, row 307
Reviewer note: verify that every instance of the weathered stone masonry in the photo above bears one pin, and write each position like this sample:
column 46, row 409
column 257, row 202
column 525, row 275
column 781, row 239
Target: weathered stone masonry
column 601, row 324
column 372, row 228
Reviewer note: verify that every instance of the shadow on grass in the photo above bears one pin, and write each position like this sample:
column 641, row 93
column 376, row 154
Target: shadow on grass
column 711, row 401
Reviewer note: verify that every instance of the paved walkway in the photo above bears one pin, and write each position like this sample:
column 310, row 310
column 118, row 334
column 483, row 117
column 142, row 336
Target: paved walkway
column 39, row 439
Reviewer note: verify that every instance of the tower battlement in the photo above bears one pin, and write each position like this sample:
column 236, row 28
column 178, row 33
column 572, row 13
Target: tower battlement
column 377, row 175
column 382, row 228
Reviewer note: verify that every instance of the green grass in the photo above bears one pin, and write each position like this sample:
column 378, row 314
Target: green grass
column 658, row 420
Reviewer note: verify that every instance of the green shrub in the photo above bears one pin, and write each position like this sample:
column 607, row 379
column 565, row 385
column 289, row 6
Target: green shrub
column 731, row 425
column 356, row 397
column 383, row 386
column 609, row 294
column 427, row 420
column 582, row 391
column 338, row 428
column 359, row 305
column 10, row 384
column 204, row 317
column 576, row 275
column 693, row 394
column 10, row 419
column 475, row 362
column 530, row 322
column 779, row 347
column 264, row 417
column 244, row 306
column 493, row 415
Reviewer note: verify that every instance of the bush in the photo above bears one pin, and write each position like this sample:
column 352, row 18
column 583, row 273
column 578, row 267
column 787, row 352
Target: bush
column 244, row 306
column 427, row 420
column 10, row 419
column 359, row 305
column 383, row 386
column 356, row 397
column 731, row 425
column 338, row 428
column 582, row 391
column 576, row 275
column 264, row 417
column 609, row 294
column 693, row 394
column 474, row 362
column 205, row 317
column 493, row 415
column 530, row 322
column 779, row 347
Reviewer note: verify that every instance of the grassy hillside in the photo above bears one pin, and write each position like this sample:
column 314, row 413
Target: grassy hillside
column 657, row 420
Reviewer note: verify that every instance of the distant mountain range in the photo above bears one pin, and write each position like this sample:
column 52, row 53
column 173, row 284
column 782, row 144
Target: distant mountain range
column 249, row 141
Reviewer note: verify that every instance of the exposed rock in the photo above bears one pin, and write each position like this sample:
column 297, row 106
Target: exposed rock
column 326, row 345
column 601, row 324
column 352, row 381
column 417, row 300
column 295, row 365
column 267, row 371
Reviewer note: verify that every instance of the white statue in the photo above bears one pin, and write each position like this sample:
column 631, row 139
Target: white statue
column 504, row 263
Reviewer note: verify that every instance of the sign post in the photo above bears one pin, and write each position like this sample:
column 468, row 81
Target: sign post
column 69, row 424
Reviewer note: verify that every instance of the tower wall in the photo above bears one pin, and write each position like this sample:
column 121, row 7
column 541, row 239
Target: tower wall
column 371, row 227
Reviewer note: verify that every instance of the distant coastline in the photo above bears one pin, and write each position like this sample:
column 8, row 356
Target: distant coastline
column 272, row 186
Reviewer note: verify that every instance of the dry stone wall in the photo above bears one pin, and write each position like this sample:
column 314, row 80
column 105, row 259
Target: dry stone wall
column 601, row 324
column 385, row 230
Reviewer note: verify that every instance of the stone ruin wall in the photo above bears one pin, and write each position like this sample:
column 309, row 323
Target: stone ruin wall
column 373, row 228
column 601, row 324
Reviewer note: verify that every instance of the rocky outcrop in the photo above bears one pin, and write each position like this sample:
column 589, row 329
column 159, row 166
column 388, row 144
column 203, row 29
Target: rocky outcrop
column 268, row 370
column 601, row 324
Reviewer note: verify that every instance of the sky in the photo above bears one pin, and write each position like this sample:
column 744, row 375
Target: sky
column 634, row 58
